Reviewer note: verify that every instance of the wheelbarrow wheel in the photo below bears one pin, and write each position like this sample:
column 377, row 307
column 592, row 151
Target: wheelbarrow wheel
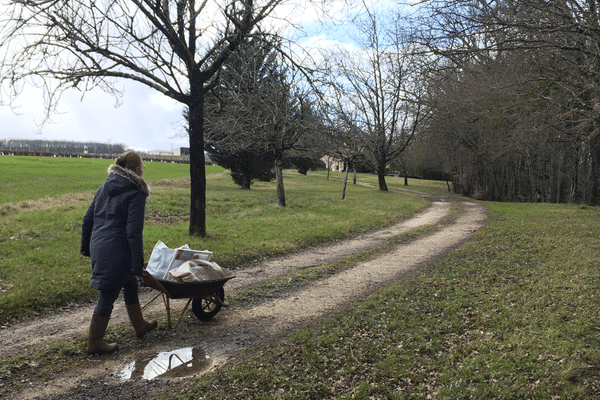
column 205, row 308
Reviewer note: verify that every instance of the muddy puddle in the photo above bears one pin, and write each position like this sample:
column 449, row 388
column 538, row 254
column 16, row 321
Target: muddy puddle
column 169, row 364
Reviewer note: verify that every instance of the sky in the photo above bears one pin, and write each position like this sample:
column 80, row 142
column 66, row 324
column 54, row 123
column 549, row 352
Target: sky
column 145, row 120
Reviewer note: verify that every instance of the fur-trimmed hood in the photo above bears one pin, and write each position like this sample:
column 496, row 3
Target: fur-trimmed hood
column 131, row 176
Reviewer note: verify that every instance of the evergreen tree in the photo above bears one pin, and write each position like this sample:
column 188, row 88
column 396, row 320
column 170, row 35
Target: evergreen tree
column 230, row 110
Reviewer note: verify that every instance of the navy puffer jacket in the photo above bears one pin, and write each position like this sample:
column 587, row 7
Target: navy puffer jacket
column 112, row 228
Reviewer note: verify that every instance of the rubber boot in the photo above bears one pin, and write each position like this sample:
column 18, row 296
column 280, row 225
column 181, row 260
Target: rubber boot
column 96, row 343
column 140, row 325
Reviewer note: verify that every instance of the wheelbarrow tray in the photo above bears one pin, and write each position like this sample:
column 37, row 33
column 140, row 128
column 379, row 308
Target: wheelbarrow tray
column 210, row 290
column 184, row 290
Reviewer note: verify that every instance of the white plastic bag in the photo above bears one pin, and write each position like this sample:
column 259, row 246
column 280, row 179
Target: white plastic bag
column 164, row 259
column 197, row 271
column 160, row 260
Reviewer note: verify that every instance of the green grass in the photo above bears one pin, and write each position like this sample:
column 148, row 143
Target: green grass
column 512, row 314
column 40, row 264
column 25, row 178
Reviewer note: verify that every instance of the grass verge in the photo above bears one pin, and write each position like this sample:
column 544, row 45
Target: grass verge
column 513, row 314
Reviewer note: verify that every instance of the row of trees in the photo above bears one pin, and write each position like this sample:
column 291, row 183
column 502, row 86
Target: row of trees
column 364, row 111
column 60, row 147
column 503, row 97
column 515, row 113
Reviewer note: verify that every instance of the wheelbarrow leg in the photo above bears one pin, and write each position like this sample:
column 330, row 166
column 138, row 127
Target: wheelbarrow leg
column 166, row 299
column 168, row 307
column 183, row 312
column 148, row 303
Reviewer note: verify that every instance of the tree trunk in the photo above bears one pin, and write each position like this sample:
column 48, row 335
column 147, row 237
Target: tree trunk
column 345, row 183
column 381, row 177
column 354, row 179
column 594, row 178
column 197, row 166
column 279, row 177
column 246, row 182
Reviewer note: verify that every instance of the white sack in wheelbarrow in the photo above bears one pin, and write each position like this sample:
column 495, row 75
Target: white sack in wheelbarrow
column 197, row 271
column 164, row 259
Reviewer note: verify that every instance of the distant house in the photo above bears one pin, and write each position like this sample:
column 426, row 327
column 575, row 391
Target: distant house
column 334, row 164
column 182, row 151
column 160, row 153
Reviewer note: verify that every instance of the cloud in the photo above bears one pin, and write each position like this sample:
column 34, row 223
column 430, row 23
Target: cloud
column 145, row 120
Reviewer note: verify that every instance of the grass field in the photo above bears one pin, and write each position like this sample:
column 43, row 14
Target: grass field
column 25, row 178
column 513, row 314
column 40, row 264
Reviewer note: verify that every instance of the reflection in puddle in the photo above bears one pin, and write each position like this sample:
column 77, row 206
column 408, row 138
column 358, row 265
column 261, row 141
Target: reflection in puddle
column 168, row 364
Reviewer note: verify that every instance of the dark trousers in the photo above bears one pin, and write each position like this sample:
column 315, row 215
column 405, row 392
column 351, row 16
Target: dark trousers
column 107, row 298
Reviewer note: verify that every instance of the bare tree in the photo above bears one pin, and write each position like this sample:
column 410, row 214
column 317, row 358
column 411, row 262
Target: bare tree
column 173, row 46
column 382, row 84
column 340, row 139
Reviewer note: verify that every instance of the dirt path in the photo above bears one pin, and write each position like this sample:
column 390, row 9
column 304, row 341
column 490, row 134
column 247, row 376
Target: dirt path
column 235, row 329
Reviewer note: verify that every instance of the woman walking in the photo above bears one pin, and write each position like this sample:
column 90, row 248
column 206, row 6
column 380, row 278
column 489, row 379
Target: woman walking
column 112, row 237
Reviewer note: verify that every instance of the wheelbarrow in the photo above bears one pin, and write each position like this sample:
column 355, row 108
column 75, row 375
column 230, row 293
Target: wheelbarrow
column 206, row 297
